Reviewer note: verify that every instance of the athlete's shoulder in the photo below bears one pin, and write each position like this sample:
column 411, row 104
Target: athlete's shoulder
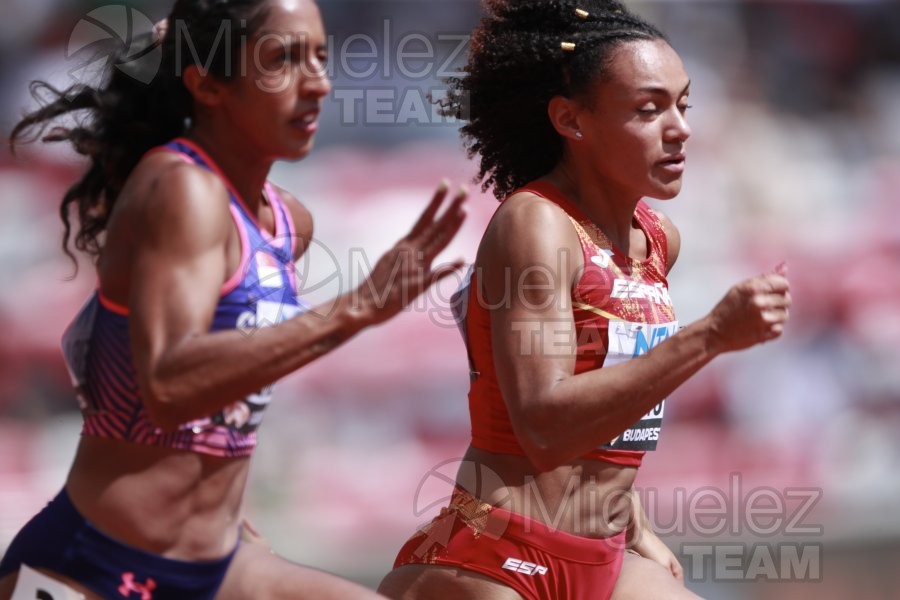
column 673, row 237
column 526, row 211
column 301, row 217
column 166, row 192
column 168, row 171
column 662, row 217
column 529, row 229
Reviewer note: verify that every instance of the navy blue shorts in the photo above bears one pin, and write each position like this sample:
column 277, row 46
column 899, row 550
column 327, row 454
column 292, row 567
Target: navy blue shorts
column 61, row 540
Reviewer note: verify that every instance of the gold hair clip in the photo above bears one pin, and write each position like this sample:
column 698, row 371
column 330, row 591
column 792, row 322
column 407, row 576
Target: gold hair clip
column 582, row 14
column 567, row 46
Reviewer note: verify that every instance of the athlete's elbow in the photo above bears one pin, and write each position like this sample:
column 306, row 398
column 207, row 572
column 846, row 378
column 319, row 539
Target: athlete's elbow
column 543, row 457
column 543, row 460
column 164, row 422
column 162, row 419
column 539, row 437
column 160, row 405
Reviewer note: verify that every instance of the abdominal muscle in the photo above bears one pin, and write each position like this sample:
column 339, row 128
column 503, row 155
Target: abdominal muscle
column 586, row 498
column 180, row 505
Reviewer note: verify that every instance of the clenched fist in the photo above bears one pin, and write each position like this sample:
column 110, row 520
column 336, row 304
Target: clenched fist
column 752, row 312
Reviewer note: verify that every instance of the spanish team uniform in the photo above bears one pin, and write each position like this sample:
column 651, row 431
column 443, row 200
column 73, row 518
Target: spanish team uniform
column 621, row 310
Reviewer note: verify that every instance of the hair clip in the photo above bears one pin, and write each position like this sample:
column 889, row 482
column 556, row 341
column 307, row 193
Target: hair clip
column 582, row 14
column 567, row 46
column 160, row 29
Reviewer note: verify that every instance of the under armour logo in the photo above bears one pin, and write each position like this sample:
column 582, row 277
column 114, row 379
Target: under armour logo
column 129, row 586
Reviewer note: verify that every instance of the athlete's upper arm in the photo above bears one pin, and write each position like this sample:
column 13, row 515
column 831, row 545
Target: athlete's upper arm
column 673, row 239
column 529, row 260
column 303, row 221
column 179, row 266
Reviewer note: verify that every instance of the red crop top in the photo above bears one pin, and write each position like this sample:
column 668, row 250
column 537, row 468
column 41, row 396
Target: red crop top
column 621, row 309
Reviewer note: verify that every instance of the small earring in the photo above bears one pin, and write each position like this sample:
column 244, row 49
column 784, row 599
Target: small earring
column 579, row 135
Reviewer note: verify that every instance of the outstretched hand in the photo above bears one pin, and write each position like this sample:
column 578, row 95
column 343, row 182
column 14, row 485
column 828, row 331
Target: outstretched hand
column 406, row 270
column 752, row 312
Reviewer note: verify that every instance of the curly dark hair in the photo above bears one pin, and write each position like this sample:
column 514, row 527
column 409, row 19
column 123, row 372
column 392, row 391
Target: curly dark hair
column 119, row 121
column 516, row 65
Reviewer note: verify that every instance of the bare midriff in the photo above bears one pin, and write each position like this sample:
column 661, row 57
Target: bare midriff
column 587, row 498
column 178, row 504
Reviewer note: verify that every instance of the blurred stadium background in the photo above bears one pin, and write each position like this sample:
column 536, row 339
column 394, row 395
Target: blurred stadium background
column 795, row 156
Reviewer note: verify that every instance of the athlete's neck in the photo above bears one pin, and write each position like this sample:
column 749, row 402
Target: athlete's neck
column 608, row 207
column 245, row 171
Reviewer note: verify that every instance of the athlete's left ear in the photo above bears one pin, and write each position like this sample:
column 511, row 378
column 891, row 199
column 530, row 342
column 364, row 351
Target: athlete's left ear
column 564, row 115
column 206, row 89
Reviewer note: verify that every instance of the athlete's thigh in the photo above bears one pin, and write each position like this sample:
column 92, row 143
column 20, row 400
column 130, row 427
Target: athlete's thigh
column 643, row 579
column 8, row 585
column 256, row 573
column 432, row 582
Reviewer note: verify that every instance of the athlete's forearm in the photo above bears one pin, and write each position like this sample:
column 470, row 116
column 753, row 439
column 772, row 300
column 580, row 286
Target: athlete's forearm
column 203, row 374
column 581, row 412
column 584, row 411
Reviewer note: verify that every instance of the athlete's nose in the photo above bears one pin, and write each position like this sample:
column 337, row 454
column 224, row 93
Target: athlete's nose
column 677, row 129
column 316, row 83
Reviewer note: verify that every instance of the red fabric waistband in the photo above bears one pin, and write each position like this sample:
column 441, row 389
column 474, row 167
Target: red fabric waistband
column 498, row 523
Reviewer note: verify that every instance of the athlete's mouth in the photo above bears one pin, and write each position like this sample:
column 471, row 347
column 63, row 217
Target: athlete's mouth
column 676, row 159
column 307, row 122
column 674, row 165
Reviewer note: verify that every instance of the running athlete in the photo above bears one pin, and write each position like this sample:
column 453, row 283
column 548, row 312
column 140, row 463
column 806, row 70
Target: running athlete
column 196, row 314
column 577, row 110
